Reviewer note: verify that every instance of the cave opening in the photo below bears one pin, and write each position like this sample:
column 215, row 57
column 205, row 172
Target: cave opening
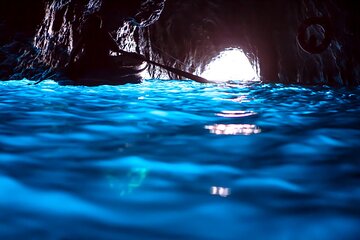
column 231, row 64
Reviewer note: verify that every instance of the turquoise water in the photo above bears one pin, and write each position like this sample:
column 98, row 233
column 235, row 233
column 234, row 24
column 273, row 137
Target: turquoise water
column 179, row 160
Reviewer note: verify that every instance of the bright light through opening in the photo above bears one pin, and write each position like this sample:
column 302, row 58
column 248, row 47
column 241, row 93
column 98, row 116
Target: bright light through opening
column 231, row 64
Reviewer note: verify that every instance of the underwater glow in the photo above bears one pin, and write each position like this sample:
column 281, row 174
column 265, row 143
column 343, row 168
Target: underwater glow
column 129, row 182
column 231, row 64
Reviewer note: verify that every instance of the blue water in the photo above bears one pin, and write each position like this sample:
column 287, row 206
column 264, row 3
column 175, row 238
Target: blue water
column 179, row 160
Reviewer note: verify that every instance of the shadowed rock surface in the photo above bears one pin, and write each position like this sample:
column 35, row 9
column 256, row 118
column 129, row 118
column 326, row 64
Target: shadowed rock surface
column 37, row 37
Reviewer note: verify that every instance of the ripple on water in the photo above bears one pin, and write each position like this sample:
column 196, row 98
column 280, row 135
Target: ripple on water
column 216, row 161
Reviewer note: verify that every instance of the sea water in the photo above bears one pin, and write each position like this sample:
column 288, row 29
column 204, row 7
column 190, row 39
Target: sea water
column 179, row 160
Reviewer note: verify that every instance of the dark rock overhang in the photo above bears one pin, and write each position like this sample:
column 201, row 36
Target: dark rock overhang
column 187, row 35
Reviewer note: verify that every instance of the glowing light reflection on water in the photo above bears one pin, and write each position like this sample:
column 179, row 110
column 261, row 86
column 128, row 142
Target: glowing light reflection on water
column 233, row 129
column 179, row 160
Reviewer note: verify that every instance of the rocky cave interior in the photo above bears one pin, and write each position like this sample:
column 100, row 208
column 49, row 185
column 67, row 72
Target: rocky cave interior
column 36, row 37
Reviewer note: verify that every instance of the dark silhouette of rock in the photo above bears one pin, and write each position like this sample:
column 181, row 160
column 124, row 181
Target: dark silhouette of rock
column 187, row 35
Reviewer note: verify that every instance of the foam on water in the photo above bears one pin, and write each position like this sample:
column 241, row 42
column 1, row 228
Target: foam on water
column 179, row 160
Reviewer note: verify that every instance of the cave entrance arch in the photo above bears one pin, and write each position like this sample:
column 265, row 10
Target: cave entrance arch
column 230, row 64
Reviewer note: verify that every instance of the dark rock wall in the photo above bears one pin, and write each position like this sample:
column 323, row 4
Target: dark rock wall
column 188, row 34
column 266, row 30
column 18, row 24
column 57, row 31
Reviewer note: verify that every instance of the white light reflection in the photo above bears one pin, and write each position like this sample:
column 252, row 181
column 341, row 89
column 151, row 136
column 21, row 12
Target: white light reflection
column 236, row 114
column 241, row 99
column 221, row 191
column 233, row 129
column 231, row 64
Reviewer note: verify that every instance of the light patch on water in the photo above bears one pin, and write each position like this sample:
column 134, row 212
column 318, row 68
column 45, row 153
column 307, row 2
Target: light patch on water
column 221, row 191
column 236, row 114
column 233, row 129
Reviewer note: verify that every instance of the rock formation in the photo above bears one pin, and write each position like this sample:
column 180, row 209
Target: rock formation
column 37, row 37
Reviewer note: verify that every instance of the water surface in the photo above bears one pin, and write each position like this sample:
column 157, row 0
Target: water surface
column 179, row 160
